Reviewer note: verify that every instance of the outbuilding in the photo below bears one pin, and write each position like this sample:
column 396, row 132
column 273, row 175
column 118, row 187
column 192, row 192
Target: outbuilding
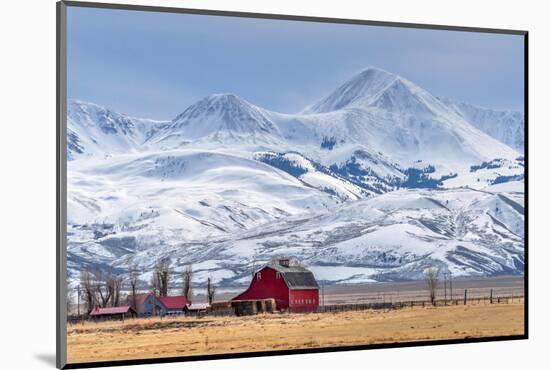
column 149, row 304
column 198, row 308
column 292, row 286
column 172, row 305
column 113, row 313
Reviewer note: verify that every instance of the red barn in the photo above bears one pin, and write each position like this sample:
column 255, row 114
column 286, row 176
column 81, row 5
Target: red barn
column 291, row 286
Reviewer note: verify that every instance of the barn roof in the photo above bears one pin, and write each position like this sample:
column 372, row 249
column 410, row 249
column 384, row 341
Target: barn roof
column 300, row 280
column 173, row 302
column 98, row 311
column 296, row 277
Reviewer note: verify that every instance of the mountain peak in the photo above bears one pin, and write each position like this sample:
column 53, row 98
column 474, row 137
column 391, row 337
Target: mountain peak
column 225, row 98
column 222, row 113
column 380, row 89
column 364, row 85
column 93, row 129
column 372, row 73
column 217, row 104
column 90, row 114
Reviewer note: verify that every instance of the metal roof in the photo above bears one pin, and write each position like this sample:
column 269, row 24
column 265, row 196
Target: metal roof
column 198, row 306
column 285, row 269
column 296, row 277
column 173, row 302
column 98, row 311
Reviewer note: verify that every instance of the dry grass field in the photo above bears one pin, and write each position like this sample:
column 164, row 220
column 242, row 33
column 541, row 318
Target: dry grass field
column 186, row 336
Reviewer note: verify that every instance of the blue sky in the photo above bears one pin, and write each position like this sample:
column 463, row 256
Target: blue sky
column 156, row 64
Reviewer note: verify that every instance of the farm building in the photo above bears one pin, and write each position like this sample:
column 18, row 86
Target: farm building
column 198, row 308
column 148, row 304
column 112, row 313
column 172, row 305
column 291, row 286
column 252, row 307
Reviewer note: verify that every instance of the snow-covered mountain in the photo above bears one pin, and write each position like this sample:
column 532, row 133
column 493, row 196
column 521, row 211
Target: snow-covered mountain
column 375, row 87
column 396, row 116
column 374, row 182
column 94, row 130
column 505, row 126
column 197, row 194
column 161, row 203
column 218, row 117
column 394, row 236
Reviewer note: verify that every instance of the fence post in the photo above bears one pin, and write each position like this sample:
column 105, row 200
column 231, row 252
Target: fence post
column 445, row 285
column 465, row 297
column 491, row 296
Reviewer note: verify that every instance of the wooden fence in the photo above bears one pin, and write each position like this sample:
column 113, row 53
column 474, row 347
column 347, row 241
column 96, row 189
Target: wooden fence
column 252, row 307
column 425, row 303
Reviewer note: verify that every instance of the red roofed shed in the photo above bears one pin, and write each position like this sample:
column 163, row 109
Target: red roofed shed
column 172, row 304
column 110, row 313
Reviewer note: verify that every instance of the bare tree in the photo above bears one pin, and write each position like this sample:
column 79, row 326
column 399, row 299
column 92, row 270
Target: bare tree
column 187, row 289
column 69, row 299
column 87, row 284
column 161, row 277
column 115, row 286
column 100, row 289
column 103, row 288
column 154, row 284
column 165, row 276
column 210, row 290
column 133, row 280
column 431, row 275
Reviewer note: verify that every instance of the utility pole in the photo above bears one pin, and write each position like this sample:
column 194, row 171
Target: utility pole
column 78, row 300
column 323, row 293
column 451, row 284
column 445, row 285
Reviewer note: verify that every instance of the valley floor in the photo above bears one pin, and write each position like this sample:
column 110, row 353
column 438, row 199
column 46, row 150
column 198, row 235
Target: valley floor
column 186, row 336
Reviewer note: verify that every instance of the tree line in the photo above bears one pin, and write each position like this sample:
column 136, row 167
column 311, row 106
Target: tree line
column 104, row 288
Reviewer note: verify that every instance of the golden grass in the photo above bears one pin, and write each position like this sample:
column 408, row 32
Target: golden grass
column 185, row 336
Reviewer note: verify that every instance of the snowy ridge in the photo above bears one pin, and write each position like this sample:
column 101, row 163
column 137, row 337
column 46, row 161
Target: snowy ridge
column 313, row 174
column 394, row 236
column 397, row 235
column 95, row 130
column 505, row 126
